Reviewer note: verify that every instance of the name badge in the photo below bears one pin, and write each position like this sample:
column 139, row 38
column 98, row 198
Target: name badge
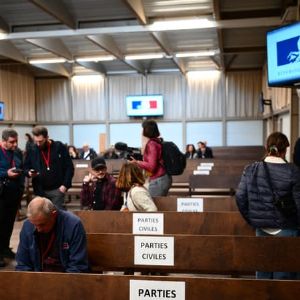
column 148, row 223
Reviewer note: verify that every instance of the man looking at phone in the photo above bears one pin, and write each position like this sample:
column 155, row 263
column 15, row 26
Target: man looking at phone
column 49, row 165
column 11, row 189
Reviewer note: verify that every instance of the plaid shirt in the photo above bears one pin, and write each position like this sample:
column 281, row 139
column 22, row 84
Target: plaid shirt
column 110, row 194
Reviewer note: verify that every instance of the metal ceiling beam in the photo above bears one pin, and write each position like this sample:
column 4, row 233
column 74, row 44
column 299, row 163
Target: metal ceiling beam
column 54, row 68
column 162, row 41
column 238, row 50
column 56, row 9
column 9, row 50
column 224, row 24
column 137, row 7
column 107, row 43
column 55, row 46
column 98, row 67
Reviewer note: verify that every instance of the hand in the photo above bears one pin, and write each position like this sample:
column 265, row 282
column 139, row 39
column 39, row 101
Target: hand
column 62, row 189
column 12, row 174
column 88, row 178
column 132, row 160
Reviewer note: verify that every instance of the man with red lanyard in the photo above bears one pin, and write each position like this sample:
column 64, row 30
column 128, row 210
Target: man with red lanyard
column 51, row 240
column 50, row 167
column 12, row 186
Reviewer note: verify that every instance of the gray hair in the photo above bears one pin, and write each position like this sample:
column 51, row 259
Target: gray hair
column 7, row 133
column 40, row 205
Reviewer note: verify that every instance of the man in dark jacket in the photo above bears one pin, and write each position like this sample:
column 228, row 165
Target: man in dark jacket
column 50, row 167
column 12, row 186
column 99, row 190
column 51, row 240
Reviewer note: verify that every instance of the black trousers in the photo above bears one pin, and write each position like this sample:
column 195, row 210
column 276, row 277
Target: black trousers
column 9, row 202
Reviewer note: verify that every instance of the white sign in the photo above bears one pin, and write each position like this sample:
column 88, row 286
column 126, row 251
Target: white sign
column 148, row 223
column 201, row 172
column 82, row 165
column 203, row 168
column 154, row 250
column 211, row 164
column 190, row 204
column 156, row 290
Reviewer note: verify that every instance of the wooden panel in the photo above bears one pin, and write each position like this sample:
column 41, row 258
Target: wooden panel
column 57, row 286
column 200, row 254
column 229, row 223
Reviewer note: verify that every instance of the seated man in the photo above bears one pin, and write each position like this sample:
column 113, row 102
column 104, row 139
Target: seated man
column 51, row 240
column 99, row 190
column 87, row 153
column 204, row 151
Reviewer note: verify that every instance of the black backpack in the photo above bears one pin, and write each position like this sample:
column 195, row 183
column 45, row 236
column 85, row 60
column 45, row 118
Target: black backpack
column 174, row 159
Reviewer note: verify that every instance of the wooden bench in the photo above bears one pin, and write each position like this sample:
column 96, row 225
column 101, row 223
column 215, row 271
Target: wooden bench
column 214, row 184
column 213, row 223
column 57, row 286
column 198, row 254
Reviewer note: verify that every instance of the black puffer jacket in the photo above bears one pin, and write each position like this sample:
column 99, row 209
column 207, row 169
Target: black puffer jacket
column 254, row 196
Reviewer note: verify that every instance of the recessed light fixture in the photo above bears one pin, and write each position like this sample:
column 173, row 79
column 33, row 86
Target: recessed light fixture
column 47, row 61
column 144, row 56
column 95, row 58
column 196, row 53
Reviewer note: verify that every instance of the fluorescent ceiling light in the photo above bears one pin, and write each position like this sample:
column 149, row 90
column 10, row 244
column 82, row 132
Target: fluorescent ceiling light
column 144, row 56
column 191, row 23
column 195, row 54
column 95, row 58
column 47, row 61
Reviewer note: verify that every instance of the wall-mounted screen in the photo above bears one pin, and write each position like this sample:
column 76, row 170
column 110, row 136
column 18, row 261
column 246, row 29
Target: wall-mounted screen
column 144, row 105
column 283, row 50
column 1, row 111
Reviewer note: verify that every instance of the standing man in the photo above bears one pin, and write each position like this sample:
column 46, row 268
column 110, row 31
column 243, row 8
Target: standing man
column 50, row 167
column 12, row 186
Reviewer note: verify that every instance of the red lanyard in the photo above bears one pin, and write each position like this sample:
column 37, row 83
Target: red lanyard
column 46, row 159
column 10, row 161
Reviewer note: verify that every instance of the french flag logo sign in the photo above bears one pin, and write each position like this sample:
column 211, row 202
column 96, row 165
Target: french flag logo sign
column 145, row 105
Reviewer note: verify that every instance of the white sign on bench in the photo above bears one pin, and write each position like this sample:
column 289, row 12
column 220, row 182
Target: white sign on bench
column 154, row 289
column 190, row 204
column 148, row 223
column 201, row 172
column 154, row 250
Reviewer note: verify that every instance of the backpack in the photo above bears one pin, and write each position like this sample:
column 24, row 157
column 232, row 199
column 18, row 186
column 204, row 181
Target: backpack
column 174, row 159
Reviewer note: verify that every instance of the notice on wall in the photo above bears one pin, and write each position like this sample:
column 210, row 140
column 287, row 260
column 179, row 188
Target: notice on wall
column 156, row 290
column 190, row 204
column 201, row 172
column 154, row 250
column 148, row 223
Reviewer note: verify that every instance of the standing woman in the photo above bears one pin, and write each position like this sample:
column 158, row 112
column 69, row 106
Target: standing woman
column 159, row 181
column 255, row 196
column 137, row 198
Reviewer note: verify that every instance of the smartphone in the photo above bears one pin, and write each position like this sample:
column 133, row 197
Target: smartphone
column 33, row 171
column 19, row 171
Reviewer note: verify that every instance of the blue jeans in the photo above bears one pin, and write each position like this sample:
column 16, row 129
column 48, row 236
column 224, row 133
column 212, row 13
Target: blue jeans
column 160, row 186
column 277, row 275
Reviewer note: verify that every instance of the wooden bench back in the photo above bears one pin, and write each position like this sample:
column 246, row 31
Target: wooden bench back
column 200, row 254
column 229, row 223
column 57, row 286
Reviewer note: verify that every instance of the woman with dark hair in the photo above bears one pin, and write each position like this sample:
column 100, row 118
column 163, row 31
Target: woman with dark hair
column 190, row 151
column 73, row 152
column 264, row 182
column 153, row 164
column 137, row 198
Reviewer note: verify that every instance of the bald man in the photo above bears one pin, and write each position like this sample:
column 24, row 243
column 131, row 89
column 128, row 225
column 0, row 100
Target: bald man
column 51, row 240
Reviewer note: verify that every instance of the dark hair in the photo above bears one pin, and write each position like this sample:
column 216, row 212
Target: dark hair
column 187, row 148
column 30, row 139
column 40, row 130
column 7, row 133
column 277, row 143
column 150, row 129
column 130, row 174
